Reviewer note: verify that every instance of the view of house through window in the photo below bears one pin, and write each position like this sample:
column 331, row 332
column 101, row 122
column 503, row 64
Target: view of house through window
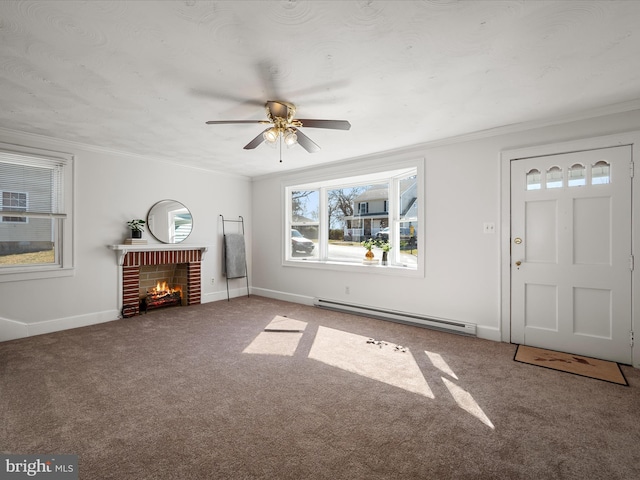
column 328, row 222
column 16, row 201
column 31, row 209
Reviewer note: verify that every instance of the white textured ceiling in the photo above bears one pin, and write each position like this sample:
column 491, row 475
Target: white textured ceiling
column 144, row 76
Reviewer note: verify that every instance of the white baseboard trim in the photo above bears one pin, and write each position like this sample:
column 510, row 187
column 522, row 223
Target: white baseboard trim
column 222, row 295
column 488, row 333
column 50, row 326
column 286, row 297
column 12, row 329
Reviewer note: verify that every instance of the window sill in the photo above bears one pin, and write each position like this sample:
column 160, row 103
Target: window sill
column 392, row 270
column 19, row 274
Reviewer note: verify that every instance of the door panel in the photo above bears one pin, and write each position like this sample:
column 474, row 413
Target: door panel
column 592, row 308
column 570, row 251
column 591, row 239
column 541, row 307
column 541, row 219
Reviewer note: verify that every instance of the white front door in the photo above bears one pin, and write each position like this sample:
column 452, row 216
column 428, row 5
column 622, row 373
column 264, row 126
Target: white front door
column 571, row 252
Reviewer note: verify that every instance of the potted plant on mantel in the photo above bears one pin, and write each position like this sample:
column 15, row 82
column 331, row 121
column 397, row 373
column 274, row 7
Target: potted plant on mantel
column 137, row 227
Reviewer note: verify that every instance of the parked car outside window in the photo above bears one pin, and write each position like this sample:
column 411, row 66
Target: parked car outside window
column 405, row 234
column 300, row 243
column 383, row 234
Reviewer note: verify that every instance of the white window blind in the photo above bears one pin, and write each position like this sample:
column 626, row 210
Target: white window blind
column 40, row 180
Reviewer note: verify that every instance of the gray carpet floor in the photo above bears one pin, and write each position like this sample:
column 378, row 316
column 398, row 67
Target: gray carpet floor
column 203, row 392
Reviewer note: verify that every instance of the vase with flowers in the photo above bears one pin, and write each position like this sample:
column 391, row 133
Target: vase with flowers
column 368, row 244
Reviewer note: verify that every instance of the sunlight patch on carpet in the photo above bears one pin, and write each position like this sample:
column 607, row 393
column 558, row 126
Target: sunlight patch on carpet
column 285, row 324
column 274, row 343
column 354, row 354
column 281, row 337
column 440, row 364
column 466, row 402
column 374, row 359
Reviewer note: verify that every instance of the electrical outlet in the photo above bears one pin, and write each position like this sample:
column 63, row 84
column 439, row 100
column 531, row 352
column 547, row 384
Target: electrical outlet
column 347, row 290
column 212, row 280
column 489, row 227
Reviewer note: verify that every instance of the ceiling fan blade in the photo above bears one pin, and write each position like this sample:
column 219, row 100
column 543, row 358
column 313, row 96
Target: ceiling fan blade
column 256, row 141
column 332, row 124
column 278, row 109
column 223, row 122
column 305, row 142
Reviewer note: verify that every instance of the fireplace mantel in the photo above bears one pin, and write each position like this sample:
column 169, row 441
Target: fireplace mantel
column 122, row 250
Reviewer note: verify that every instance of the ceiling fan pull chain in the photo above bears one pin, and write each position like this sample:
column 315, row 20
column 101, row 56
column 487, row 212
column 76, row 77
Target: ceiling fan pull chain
column 280, row 136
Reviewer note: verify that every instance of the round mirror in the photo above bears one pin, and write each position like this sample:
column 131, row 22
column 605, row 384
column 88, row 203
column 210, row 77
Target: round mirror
column 169, row 221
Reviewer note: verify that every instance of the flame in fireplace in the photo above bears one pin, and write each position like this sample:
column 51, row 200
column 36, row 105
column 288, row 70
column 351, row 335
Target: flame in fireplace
column 163, row 289
column 162, row 295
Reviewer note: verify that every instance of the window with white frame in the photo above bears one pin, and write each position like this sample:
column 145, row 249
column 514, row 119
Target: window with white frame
column 35, row 211
column 327, row 221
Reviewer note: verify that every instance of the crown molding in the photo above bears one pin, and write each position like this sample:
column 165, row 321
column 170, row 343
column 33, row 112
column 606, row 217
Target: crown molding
column 28, row 139
column 604, row 111
column 418, row 149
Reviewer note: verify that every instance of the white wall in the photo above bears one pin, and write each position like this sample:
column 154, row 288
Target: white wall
column 462, row 270
column 112, row 188
column 462, row 278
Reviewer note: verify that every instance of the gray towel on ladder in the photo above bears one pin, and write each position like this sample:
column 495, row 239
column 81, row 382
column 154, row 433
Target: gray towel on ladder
column 234, row 253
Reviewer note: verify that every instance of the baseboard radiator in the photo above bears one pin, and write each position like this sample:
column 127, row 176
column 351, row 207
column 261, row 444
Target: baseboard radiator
column 451, row 326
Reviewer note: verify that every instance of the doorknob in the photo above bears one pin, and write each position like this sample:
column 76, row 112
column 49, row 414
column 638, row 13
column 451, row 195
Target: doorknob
column 518, row 263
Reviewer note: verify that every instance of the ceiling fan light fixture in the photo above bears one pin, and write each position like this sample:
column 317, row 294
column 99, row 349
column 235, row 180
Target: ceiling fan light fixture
column 271, row 135
column 290, row 137
column 283, row 127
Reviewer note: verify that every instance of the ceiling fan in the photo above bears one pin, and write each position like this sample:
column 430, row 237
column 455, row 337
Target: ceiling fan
column 283, row 126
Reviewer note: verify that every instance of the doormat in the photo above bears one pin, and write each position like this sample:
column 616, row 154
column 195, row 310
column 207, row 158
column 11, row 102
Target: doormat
column 570, row 363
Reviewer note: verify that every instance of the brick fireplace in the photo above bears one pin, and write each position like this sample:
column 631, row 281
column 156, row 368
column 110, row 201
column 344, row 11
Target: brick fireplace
column 132, row 258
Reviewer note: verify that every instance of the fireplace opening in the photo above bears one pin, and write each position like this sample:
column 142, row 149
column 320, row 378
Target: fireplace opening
column 162, row 295
column 162, row 286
